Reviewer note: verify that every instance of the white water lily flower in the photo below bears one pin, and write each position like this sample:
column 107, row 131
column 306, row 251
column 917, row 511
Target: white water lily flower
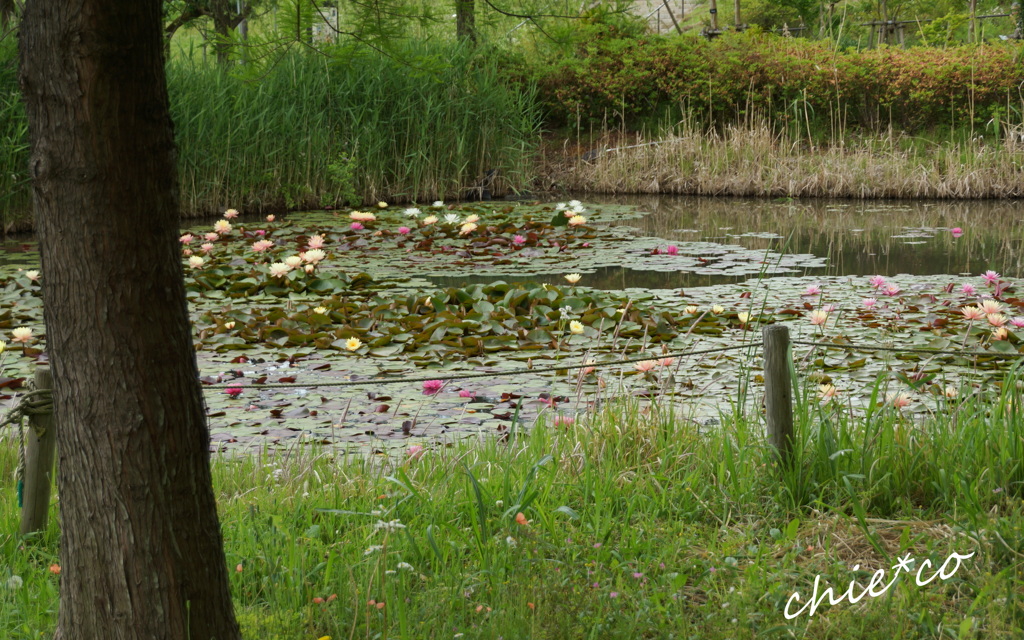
column 279, row 269
column 451, row 218
column 412, row 212
column 575, row 203
column 437, row 203
column 314, row 256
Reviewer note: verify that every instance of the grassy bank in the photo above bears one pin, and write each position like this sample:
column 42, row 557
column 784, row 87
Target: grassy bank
column 757, row 159
column 316, row 131
column 635, row 525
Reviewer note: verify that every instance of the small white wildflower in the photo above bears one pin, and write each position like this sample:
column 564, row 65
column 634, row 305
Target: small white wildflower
column 14, row 582
column 394, row 525
column 566, row 312
column 373, row 549
column 376, row 512
column 404, row 566
column 510, row 541
column 499, row 503
column 390, row 572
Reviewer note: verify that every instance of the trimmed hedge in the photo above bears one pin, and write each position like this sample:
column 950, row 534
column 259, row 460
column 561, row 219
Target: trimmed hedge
column 627, row 79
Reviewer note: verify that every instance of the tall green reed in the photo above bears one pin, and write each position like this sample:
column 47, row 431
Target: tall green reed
column 318, row 130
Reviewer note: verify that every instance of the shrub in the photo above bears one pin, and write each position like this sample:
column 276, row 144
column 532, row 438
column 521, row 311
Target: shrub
column 631, row 80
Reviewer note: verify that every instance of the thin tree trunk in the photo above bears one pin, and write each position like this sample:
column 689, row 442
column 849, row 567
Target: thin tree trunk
column 465, row 20
column 141, row 550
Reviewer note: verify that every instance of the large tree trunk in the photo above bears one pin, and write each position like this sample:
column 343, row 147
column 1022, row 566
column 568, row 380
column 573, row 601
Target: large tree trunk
column 141, row 548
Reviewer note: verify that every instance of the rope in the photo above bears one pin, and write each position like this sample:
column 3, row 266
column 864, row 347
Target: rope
column 32, row 402
column 941, row 352
column 487, row 374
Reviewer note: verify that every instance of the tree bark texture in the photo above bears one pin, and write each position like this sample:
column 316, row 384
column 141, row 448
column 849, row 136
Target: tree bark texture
column 141, row 549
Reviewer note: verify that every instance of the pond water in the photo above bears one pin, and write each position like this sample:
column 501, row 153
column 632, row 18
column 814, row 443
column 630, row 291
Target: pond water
column 481, row 288
column 855, row 237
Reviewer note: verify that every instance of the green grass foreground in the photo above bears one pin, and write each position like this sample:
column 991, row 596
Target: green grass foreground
column 640, row 525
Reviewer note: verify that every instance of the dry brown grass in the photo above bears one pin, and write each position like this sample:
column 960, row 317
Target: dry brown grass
column 752, row 160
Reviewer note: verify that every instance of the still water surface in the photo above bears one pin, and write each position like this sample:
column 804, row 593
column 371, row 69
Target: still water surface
column 856, row 237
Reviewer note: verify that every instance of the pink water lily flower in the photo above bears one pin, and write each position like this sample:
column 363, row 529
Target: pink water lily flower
column 404, row 230
column 415, row 452
column 518, row 239
column 957, row 232
column 431, row 387
column 466, row 393
column 877, row 282
column 869, row 302
column 812, row 290
column 990, row 277
column 356, row 226
column 892, row 289
column 972, row 313
column 234, row 392
column 672, row 250
column 968, row 290
column 899, row 400
column 1017, row 322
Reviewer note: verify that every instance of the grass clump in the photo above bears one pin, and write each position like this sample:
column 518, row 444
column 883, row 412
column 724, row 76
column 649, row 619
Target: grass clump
column 754, row 159
column 632, row 522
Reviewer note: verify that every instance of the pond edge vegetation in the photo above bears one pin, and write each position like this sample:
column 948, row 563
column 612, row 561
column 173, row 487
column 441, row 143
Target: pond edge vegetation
column 644, row 522
column 745, row 114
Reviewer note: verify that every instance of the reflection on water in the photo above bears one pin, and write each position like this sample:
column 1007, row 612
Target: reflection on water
column 857, row 237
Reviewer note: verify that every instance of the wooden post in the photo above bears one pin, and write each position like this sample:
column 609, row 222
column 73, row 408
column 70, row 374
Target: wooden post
column 713, row 10
column 39, row 456
column 738, row 21
column 670, row 15
column 778, row 391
